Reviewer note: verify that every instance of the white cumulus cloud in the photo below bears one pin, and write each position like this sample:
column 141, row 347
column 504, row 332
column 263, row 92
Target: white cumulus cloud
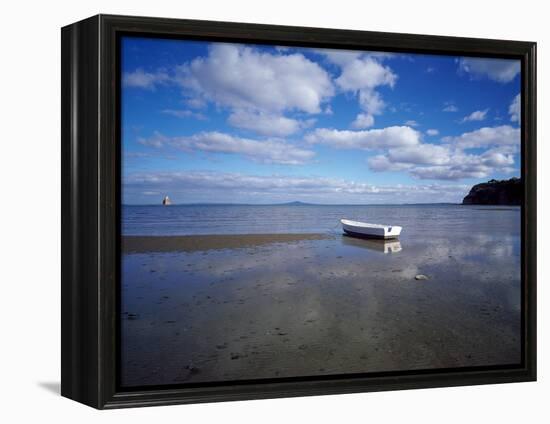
column 486, row 137
column 450, row 161
column 500, row 70
column 365, row 139
column 266, row 151
column 361, row 73
column 423, row 154
column 478, row 115
column 242, row 77
column 514, row 110
column 363, row 120
column 268, row 124
column 366, row 73
column 371, row 102
column 147, row 80
column 442, row 163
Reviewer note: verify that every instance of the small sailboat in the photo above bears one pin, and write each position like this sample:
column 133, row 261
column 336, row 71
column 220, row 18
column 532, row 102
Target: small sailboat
column 363, row 229
column 166, row 201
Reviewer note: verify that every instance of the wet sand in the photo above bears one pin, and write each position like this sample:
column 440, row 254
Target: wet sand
column 143, row 244
column 212, row 308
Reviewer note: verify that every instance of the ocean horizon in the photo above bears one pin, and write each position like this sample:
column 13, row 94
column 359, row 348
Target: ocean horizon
column 296, row 203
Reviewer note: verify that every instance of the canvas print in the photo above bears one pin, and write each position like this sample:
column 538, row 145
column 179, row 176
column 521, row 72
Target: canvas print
column 304, row 212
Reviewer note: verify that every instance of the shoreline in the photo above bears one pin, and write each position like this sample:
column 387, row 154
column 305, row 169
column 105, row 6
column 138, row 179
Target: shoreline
column 194, row 243
column 206, row 308
column 285, row 305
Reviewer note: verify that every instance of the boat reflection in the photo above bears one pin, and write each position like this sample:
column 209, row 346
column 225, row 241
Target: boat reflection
column 384, row 246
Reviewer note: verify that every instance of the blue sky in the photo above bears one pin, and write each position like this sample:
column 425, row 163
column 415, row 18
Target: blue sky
column 221, row 122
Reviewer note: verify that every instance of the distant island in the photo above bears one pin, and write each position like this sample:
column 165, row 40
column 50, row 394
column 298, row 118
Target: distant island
column 296, row 204
column 495, row 192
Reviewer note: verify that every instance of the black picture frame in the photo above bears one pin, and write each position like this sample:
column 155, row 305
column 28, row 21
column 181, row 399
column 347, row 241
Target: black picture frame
column 91, row 162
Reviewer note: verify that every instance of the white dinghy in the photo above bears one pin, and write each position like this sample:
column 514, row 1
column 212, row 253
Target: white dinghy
column 363, row 229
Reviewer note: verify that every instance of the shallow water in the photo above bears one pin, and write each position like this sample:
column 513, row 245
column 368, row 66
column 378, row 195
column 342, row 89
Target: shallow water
column 332, row 306
column 417, row 220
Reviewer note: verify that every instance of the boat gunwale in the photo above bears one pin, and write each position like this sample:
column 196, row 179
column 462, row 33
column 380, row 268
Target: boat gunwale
column 368, row 225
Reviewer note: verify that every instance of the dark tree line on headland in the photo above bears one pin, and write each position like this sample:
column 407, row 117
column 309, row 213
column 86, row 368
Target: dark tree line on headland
column 495, row 192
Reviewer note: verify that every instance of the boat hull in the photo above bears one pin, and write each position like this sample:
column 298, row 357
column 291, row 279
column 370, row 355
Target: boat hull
column 365, row 230
column 370, row 236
